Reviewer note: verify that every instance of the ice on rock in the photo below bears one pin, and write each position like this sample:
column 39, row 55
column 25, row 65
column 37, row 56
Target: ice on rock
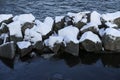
column 90, row 36
column 69, row 34
column 15, row 29
column 45, row 27
column 78, row 16
column 102, row 32
column 23, row 44
column 32, row 36
column 5, row 17
column 111, row 16
column 58, row 18
column 95, row 18
column 52, row 40
column 23, row 18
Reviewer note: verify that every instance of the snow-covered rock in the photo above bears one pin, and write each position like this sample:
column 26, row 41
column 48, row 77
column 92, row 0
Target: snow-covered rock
column 69, row 33
column 4, row 17
column 25, row 48
column 111, row 40
column 90, row 27
column 32, row 36
column 23, row 18
column 91, row 42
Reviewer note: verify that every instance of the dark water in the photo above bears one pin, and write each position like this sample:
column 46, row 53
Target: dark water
column 44, row 8
column 67, row 67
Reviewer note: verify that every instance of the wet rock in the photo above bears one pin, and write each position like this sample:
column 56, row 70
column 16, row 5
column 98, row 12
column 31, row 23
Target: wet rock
column 24, row 48
column 68, row 20
column 38, row 47
column 56, row 48
column 27, row 25
column 91, row 46
column 7, row 50
column 1, row 41
column 72, row 48
column 47, row 56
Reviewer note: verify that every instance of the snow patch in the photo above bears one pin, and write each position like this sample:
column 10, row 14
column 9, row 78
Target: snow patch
column 111, row 16
column 23, row 18
column 90, row 36
column 69, row 34
column 15, row 29
column 109, row 24
column 23, row 44
column 5, row 17
column 52, row 40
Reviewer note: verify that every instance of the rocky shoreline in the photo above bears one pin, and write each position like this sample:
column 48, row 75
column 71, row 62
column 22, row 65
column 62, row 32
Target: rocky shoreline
column 72, row 33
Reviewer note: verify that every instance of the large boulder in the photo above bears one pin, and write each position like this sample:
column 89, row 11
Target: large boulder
column 24, row 48
column 111, row 40
column 3, row 28
column 7, row 50
column 117, row 22
column 91, row 42
column 72, row 48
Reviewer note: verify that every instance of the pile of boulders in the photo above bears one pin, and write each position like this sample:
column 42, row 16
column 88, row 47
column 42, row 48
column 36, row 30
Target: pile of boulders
column 72, row 33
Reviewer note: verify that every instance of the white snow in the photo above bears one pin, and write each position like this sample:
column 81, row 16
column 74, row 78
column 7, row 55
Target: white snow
column 15, row 29
column 90, row 36
column 23, row 44
column 88, row 25
column 101, row 31
column 69, row 34
column 5, row 17
column 23, row 18
column 58, row 18
column 45, row 27
column 95, row 18
column 112, row 32
column 78, row 16
column 32, row 36
column 110, row 24
column 111, row 16
column 52, row 40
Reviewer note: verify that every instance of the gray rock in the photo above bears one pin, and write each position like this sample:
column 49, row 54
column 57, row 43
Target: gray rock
column 117, row 21
column 72, row 48
column 15, row 39
column 7, row 21
column 27, row 25
column 56, row 48
column 38, row 47
column 80, row 24
column 4, row 28
column 111, row 44
column 91, row 46
column 7, row 50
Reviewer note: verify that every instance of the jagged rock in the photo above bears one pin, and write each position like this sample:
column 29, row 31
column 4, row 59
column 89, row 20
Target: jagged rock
column 68, row 20
column 38, row 47
column 59, row 23
column 117, row 21
column 72, row 48
column 24, row 48
column 91, row 42
column 27, row 25
column 111, row 40
column 7, row 50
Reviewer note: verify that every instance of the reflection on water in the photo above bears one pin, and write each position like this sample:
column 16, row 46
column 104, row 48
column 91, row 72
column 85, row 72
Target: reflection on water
column 107, row 60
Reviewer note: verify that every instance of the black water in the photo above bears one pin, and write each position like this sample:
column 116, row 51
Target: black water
column 67, row 67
